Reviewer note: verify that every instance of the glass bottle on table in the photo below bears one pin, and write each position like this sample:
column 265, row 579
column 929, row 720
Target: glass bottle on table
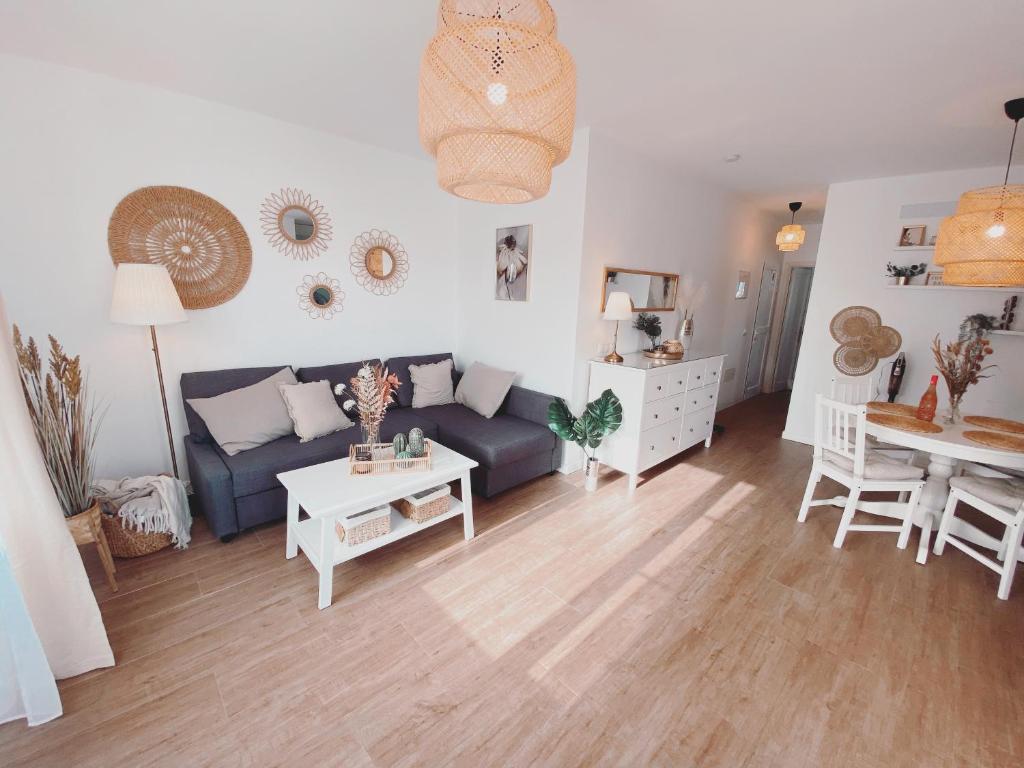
column 929, row 401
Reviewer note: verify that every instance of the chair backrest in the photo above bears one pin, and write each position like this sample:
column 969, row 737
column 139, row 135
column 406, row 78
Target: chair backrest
column 853, row 390
column 839, row 429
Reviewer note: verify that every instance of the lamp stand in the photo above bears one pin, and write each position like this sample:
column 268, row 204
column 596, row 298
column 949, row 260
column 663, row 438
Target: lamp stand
column 614, row 356
column 163, row 399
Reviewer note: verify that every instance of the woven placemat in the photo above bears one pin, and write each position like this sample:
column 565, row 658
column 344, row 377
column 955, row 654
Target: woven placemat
column 1000, row 425
column 905, row 423
column 998, row 440
column 900, row 409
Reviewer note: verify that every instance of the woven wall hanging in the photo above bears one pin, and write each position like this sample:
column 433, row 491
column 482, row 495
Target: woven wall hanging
column 296, row 224
column 863, row 340
column 201, row 243
column 320, row 296
column 379, row 262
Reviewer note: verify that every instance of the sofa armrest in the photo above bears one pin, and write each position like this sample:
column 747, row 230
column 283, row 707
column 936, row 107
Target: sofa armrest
column 213, row 486
column 529, row 405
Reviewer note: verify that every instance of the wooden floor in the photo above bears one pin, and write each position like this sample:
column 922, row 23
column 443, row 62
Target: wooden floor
column 694, row 624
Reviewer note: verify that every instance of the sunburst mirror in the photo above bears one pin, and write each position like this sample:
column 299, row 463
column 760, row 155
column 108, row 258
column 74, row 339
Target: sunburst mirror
column 379, row 262
column 296, row 224
column 320, row 296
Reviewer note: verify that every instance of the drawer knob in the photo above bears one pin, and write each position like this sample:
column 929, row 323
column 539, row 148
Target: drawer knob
column 652, row 447
column 655, row 415
column 698, row 377
column 706, row 423
column 659, row 388
column 673, row 438
column 677, row 407
column 691, row 429
column 679, row 382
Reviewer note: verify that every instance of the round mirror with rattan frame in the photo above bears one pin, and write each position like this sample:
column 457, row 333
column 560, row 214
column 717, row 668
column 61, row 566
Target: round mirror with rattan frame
column 273, row 216
column 367, row 259
column 320, row 296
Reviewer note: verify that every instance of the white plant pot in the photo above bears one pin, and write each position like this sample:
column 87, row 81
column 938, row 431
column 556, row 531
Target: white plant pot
column 590, row 470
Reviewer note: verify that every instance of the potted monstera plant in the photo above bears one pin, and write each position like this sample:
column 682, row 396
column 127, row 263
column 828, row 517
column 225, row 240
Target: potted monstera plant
column 599, row 419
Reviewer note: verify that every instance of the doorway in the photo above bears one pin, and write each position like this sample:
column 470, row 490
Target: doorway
column 793, row 318
column 762, row 332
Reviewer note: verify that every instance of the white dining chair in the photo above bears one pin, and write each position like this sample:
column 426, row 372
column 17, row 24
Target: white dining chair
column 853, row 390
column 1001, row 497
column 840, row 454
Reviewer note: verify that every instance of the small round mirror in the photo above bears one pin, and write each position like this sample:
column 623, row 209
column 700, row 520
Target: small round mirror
column 321, row 295
column 380, row 262
column 297, row 224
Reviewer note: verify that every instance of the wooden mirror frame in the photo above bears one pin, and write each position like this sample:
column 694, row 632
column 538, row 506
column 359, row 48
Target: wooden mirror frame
column 370, row 266
column 310, row 285
column 359, row 258
column 305, row 210
column 272, row 214
column 628, row 271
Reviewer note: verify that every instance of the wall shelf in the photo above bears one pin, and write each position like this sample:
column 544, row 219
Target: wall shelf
column 1007, row 333
column 913, row 247
column 937, row 288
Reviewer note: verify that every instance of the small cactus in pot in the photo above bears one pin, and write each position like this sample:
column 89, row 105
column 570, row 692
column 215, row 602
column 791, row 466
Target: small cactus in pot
column 416, row 443
column 400, row 444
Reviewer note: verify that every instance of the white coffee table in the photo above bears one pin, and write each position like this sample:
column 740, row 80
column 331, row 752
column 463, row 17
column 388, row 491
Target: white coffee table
column 329, row 491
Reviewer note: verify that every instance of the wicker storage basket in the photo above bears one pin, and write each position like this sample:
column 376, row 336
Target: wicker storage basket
column 364, row 526
column 125, row 542
column 424, row 505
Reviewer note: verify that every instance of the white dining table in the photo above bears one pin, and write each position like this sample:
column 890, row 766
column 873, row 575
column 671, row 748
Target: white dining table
column 945, row 450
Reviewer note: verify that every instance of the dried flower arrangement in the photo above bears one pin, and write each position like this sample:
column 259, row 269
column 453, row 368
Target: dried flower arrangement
column 961, row 364
column 64, row 417
column 373, row 388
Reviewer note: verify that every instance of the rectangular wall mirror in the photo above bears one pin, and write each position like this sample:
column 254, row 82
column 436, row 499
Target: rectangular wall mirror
column 650, row 291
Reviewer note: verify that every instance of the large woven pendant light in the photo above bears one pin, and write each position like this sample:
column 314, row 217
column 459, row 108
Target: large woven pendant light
column 983, row 243
column 497, row 99
column 791, row 236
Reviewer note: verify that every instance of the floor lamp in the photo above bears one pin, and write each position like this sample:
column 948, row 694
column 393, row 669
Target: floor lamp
column 145, row 295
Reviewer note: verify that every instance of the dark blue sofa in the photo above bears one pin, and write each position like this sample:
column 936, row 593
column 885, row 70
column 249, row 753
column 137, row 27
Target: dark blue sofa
column 241, row 491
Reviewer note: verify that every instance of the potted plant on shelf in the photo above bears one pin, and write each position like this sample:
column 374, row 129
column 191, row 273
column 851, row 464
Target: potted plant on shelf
column 902, row 274
column 650, row 325
column 599, row 419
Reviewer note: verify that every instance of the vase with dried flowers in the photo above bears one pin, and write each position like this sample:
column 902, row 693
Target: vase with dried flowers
column 65, row 420
column 961, row 362
column 373, row 389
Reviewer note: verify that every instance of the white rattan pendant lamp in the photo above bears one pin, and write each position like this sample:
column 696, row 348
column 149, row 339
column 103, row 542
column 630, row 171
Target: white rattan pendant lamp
column 497, row 99
column 982, row 244
column 791, row 236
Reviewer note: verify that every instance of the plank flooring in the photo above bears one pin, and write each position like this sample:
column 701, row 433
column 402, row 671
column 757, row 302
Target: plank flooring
column 695, row 623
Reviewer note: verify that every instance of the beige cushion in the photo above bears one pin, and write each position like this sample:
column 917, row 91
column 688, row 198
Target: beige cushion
column 877, row 467
column 248, row 417
column 483, row 388
column 1007, row 493
column 313, row 409
column 432, row 384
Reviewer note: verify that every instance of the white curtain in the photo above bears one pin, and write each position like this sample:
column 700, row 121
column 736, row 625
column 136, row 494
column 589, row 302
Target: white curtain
column 40, row 555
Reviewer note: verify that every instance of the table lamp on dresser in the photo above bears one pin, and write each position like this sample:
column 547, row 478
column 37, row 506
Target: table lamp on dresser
column 618, row 307
column 145, row 295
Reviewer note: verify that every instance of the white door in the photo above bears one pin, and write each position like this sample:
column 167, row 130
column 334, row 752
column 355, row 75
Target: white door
column 762, row 329
column 793, row 326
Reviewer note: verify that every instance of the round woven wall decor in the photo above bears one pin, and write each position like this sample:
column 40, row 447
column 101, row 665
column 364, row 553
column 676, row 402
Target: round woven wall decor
column 863, row 340
column 320, row 296
column 852, row 323
column 368, row 252
column 201, row 243
column 276, row 215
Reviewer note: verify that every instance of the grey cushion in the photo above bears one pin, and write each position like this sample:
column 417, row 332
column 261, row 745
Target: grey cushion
column 342, row 373
column 877, row 466
column 483, row 388
column 432, row 384
column 256, row 470
column 313, row 409
column 212, row 383
column 400, row 367
column 493, row 442
column 246, row 418
column 1003, row 492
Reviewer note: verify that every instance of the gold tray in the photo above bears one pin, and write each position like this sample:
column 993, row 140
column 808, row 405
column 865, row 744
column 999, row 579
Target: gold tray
column 904, row 423
column 999, row 440
column 899, row 409
column 999, row 425
column 663, row 355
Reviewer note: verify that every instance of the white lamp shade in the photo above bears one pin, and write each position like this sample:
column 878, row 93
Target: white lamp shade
column 618, row 307
column 145, row 295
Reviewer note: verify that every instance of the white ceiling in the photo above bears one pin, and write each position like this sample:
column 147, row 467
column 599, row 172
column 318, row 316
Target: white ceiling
column 807, row 91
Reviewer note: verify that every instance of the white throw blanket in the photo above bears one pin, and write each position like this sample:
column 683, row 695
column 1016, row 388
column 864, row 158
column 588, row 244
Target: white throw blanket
column 152, row 504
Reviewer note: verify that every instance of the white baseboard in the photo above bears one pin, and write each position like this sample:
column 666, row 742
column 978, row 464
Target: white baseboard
column 786, row 435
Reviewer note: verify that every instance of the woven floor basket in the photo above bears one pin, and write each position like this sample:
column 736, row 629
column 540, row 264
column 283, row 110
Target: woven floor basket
column 124, row 542
column 423, row 512
column 363, row 532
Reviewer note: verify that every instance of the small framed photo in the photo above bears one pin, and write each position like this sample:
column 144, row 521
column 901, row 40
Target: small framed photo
column 742, row 282
column 933, row 278
column 912, row 235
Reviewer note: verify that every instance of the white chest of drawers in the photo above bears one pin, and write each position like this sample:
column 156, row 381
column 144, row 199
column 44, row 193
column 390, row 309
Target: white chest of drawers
column 666, row 408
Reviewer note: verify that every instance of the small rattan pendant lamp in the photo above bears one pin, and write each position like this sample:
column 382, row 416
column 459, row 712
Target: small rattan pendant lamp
column 791, row 236
column 983, row 243
column 497, row 99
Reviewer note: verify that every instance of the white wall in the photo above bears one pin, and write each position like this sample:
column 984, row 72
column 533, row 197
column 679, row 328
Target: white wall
column 860, row 229
column 535, row 338
column 75, row 143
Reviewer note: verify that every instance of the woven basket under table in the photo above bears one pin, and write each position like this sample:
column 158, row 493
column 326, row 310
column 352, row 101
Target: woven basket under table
column 419, row 511
column 378, row 523
column 125, row 542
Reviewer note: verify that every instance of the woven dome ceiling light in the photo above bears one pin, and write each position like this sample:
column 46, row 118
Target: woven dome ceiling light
column 791, row 236
column 982, row 244
column 497, row 99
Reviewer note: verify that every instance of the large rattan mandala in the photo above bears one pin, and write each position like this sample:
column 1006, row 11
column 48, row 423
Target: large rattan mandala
column 296, row 224
column 201, row 243
column 379, row 262
column 863, row 340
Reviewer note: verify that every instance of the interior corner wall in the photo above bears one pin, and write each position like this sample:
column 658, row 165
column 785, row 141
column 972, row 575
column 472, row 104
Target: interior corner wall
column 859, row 236
column 641, row 214
column 76, row 143
column 536, row 338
